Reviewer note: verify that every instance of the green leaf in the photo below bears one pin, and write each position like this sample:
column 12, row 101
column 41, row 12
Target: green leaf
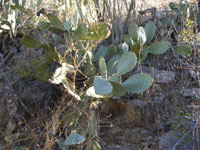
column 90, row 69
column 89, row 81
column 68, row 38
column 103, row 68
column 120, row 49
column 81, row 32
column 57, row 39
column 115, row 78
column 138, row 83
column 102, row 86
column 141, row 35
column 74, row 139
column 126, row 63
column 29, row 25
column 67, row 25
column 143, row 54
column 22, row 9
column 30, row 42
column 43, row 25
column 159, row 47
column 14, row 7
column 127, row 39
column 103, row 30
column 55, row 21
column 183, row 50
column 111, row 63
column 39, row 2
column 173, row 6
column 133, row 31
column 76, row 17
column 99, row 32
column 42, row 71
column 47, row 46
column 112, row 50
column 118, row 89
column 55, row 30
column 52, row 56
column 136, row 48
column 102, row 51
column 96, row 146
column 114, row 69
column 29, row 12
column 150, row 30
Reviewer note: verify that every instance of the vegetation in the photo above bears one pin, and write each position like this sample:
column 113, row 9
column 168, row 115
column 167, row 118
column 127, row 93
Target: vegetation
column 90, row 58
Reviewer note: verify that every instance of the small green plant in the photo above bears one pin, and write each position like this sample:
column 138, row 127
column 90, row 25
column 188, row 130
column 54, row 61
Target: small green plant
column 140, row 40
column 110, row 83
column 183, row 9
column 11, row 12
column 7, row 19
column 74, row 46
column 68, row 46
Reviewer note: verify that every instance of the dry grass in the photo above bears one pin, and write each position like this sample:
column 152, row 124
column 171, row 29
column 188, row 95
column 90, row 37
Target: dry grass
column 159, row 4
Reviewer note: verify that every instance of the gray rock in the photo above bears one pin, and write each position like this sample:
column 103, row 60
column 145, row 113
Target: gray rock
column 191, row 92
column 136, row 135
column 194, row 74
column 167, row 141
column 133, row 112
column 160, row 76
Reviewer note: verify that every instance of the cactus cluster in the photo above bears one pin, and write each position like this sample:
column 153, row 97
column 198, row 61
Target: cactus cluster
column 109, row 82
column 133, row 51
column 138, row 43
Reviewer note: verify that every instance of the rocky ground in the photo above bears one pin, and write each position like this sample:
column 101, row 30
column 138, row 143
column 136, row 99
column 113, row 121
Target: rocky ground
column 154, row 120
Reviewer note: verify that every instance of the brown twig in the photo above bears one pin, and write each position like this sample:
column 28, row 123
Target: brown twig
column 129, row 13
column 8, row 81
column 120, row 21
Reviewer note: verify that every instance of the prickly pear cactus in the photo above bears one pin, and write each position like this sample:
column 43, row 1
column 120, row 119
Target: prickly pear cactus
column 110, row 82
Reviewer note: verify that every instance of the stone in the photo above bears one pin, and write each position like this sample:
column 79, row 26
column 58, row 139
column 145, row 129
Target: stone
column 159, row 76
column 191, row 92
column 167, row 141
column 133, row 112
column 136, row 135
column 194, row 75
